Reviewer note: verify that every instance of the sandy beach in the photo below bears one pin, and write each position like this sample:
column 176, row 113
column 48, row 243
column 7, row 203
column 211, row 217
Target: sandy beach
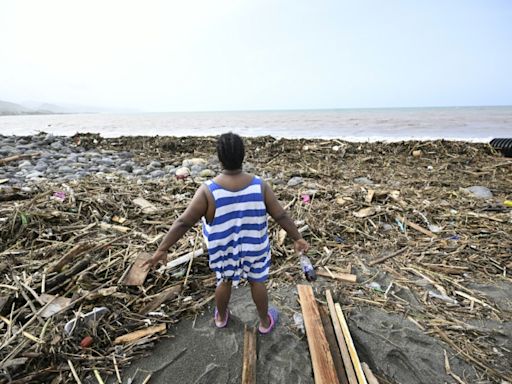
column 445, row 297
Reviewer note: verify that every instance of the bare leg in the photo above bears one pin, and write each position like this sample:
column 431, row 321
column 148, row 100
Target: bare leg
column 222, row 295
column 260, row 298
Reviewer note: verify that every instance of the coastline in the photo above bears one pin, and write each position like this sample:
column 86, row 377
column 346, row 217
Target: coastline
column 427, row 182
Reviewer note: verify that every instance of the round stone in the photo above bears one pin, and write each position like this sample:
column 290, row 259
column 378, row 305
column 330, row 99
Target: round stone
column 207, row 173
column 157, row 173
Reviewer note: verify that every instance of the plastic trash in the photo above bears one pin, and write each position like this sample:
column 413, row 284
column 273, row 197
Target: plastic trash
column 375, row 286
column 307, row 268
column 306, row 199
column 435, row 228
column 298, row 320
column 96, row 314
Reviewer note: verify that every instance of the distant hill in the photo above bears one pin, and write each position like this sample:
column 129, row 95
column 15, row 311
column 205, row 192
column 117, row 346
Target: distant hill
column 39, row 108
column 7, row 108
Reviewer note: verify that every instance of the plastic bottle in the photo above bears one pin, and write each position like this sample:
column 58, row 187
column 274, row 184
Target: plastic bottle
column 307, row 268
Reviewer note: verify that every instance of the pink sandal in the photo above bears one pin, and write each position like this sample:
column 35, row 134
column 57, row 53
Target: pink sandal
column 273, row 316
column 219, row 324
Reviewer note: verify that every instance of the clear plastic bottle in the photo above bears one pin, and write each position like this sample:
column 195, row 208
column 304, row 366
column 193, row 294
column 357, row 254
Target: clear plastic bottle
column 307, row 268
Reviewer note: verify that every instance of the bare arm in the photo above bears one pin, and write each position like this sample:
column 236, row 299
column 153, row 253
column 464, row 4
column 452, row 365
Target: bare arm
column 278, row 213
column 195, row 210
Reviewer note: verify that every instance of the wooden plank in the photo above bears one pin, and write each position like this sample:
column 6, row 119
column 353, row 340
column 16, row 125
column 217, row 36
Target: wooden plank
column 416, row 226
column 350, row 344
column 369, row 374
column 324, row 371
column 137, row 274
column 345, row 355
column 347, row 277
column 250, row 356
column 384, row 258
column 145, row 205
column 333, row 344
column 134, row 336
column 69, row 255
column 166, row 295
column 9, row 159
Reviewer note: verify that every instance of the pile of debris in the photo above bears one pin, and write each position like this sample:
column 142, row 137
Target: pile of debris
column 419, row 223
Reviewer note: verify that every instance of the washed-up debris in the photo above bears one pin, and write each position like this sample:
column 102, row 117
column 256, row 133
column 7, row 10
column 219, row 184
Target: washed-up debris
column 61, row 258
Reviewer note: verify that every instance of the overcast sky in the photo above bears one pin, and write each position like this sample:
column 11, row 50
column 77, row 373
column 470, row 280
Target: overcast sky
column 258, row 54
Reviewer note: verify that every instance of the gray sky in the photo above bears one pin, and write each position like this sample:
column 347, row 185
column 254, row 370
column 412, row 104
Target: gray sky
column 258, row 54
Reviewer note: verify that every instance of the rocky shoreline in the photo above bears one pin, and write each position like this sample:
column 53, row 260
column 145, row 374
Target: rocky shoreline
column 62, row 159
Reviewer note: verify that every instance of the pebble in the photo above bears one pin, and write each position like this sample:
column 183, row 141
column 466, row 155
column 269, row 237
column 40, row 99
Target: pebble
column 65, row 169
column 139, row 171
column 107, row 161
column 155, row 164
column 56, row 145
column 34, row 174
column 207, row 173
column 182, row 173
column 363, row 180
column 25, row 164
column 479, row 192
column 195, row 161
column 157, row 173
column 294, row 181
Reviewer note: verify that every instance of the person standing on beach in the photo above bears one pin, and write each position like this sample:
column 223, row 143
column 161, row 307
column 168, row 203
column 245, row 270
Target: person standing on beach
column 233, row 207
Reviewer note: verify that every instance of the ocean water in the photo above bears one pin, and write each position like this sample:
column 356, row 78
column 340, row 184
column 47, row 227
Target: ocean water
column 479, row 124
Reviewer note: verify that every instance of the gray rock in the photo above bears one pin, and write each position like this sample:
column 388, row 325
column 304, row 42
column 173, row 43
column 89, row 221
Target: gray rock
column 107, row 161
column 171, row 169
column 82, row 159
column 25, row 164
column 123, row 173
column 125, row 155
column 65, row 169
column 157, row 173
column 479, row 192
column 41, row 166
column 34, row 174
column 57, row 145
column 127, row 166
column 6, row 150
column 294, row 181
column 196, row 168
column 139, row 171
column 155, row 164
column 105, row 169
column 49, row 138
column 363, row 181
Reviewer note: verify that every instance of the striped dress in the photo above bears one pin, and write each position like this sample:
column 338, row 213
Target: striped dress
column 237, row 238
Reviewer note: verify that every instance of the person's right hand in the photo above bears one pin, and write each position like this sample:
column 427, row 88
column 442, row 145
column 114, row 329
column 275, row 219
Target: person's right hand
column 158, row 257
column 300, row 246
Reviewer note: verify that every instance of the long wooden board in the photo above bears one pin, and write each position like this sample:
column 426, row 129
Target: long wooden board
column 249, row 359
column 350, row 344
column 137, row 274
column 166, row 295
column 345, row 355
column 333, row 344
column 324, row 371
column 134, row 336
column 347, row 277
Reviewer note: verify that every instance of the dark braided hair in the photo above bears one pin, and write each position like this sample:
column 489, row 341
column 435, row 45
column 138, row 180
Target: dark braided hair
column 231, row 151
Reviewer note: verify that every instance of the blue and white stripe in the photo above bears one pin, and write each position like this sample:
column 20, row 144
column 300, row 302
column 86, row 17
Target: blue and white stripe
column 237, row 238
